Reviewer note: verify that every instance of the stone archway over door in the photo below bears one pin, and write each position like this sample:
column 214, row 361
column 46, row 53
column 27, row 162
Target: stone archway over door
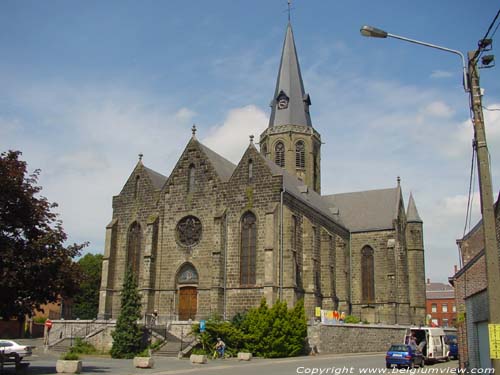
column 188, row 302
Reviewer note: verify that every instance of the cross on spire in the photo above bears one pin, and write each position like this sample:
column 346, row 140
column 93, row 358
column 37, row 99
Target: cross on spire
column 193, row 130
column 289, row 9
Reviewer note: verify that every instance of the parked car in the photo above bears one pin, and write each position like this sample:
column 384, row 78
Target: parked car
column 12, row 351
column 451, row 341
column 403, row 355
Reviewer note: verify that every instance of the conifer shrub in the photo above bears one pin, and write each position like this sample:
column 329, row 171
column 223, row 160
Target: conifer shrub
column 127, row 337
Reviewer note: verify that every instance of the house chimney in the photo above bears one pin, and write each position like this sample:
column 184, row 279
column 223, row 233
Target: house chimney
column 428, row 281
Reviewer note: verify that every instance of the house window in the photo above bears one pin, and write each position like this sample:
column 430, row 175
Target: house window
column 445, row 322
column 279, row 154
column 367, row 275
column 434, row 308
column 134, row 248
column 248, row 249
column 444, row 307
column 454, row 308
column 300, row 155
column 191, row 180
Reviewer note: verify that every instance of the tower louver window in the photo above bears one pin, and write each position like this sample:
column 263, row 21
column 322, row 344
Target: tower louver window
column 279, row 154
column 300, row 155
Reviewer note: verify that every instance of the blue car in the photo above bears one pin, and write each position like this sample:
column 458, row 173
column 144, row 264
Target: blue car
column 402, row 355
column 451, row 341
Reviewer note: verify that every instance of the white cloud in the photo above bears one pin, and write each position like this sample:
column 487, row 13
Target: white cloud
column 438, row 109
column 441, row 74
column 232, row 137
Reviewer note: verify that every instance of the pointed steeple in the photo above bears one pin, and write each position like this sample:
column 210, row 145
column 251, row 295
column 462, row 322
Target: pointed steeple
column 290, row 104
column 412, row 215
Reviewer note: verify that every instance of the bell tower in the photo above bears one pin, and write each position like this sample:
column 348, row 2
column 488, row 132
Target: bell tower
column 290, row 140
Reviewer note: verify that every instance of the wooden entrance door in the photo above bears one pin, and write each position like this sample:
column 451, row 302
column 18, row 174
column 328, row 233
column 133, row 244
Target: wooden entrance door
column 188, row 302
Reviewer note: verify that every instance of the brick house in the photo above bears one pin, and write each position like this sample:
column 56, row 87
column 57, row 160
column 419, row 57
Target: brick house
column 440, row 304
column 214, row 238
column 470, row 283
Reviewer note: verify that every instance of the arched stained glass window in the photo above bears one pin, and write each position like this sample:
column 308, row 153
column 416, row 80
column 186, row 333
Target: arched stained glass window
column 279, row 154
column 300, row 155
column 248, row 249
column 367, row 275
column 134, row 247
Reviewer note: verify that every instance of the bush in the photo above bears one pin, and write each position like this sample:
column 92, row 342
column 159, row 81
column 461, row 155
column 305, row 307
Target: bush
column 144, row 353
column 267, row 332
column 352, row 319
column 277, row 331
column 82, row 347
column 70, row 356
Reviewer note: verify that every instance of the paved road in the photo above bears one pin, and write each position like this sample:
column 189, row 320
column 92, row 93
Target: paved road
column 44, row 363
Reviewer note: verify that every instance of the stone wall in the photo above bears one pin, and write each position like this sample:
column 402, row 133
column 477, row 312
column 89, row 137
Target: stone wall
column 353, row 338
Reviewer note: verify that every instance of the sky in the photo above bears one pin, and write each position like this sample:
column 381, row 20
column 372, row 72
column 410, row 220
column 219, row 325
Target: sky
column 86, row 86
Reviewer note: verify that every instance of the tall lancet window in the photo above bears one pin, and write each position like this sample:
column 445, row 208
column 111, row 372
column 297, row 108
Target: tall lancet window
column 250, row 170
column 367, row 275
column 136, row 186
column 248, row 249
column 279, row 154
column 191, row 180
column 134, row 247
column 300, row 155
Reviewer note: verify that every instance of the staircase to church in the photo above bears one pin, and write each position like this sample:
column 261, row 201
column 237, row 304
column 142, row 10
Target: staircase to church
column 173, row 345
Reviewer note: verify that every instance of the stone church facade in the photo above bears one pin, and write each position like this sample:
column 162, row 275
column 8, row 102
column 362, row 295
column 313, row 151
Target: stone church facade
column 214, row 238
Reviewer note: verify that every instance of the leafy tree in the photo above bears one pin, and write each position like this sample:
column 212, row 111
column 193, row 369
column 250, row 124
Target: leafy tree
column 86, row 302
column 35, row 265
column 127, row 337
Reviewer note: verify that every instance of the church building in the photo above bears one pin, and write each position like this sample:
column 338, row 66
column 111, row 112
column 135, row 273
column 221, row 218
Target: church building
column 214, row 238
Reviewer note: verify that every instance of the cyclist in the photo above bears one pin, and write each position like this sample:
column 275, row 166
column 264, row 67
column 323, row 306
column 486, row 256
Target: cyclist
column 220, row 347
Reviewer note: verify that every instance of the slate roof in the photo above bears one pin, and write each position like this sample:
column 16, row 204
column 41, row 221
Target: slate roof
column 299, row 190
column 223, row 167
column 157, row 179
column 412, row 215
column 366, row 210
column 290, row 82
column 439, row 291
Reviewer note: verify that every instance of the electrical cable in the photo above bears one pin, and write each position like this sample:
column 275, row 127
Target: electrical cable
column 467, row 214
column 480, row 50
column 491, row 109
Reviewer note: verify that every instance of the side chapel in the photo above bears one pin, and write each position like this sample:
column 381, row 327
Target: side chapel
column 214, row 238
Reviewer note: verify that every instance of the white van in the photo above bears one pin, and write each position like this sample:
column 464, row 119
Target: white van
column 430, row 341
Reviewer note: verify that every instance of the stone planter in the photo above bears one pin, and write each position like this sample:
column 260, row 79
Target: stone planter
column 198, row 358
column 244, row 356
column 68, row 367
column 144, row 362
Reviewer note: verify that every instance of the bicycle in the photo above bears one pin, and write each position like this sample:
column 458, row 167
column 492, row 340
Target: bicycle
column 217, row 355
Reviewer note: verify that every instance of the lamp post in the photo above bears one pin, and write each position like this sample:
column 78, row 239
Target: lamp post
column 471, row 85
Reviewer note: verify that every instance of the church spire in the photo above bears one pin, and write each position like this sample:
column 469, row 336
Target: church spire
column 412, row 215
column 290, row 104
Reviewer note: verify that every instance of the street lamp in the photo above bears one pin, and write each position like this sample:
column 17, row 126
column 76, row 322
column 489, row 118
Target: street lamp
column 373, row 32
column 471, row 85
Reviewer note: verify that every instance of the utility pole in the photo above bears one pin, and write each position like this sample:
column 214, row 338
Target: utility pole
column 489, row 228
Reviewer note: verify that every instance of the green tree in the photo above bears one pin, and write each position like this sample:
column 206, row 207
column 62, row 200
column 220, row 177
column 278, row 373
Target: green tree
column 127, row 337
column 86, row 302
column 35, row 265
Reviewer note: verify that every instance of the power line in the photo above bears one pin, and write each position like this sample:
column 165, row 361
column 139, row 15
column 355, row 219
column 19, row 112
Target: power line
column 480, row 49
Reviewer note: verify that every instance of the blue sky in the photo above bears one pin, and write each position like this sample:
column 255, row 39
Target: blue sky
column 86, row 86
